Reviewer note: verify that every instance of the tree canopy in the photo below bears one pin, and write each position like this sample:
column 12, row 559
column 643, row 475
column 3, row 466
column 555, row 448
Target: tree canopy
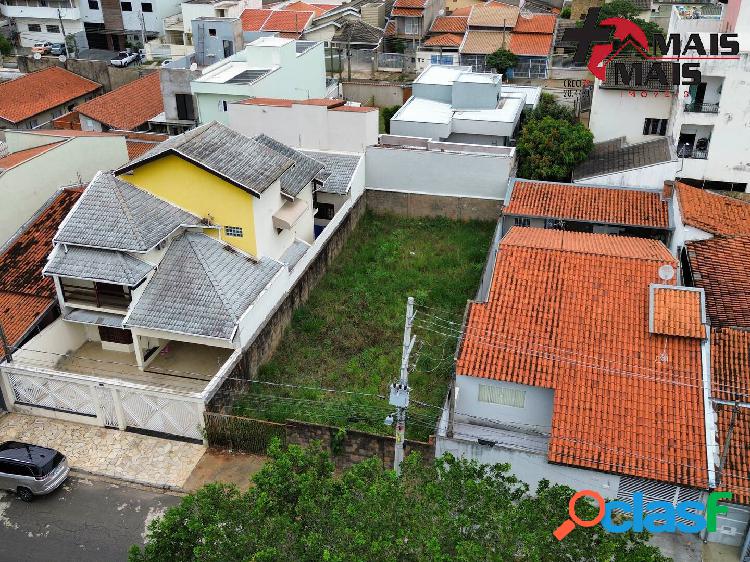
column 501, row 60
column 299, row 510
column 549, row 149
column 627, row 10
column 548, row 107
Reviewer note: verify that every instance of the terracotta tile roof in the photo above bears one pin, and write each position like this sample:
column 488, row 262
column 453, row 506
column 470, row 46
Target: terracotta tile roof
column 289, row 35
column 355, row 108
column 138, row 148
column 410, row 3
column 713, row 213
column 730, row 358
column 324, row 102
column 610, row 205
column 719, row 266
column 569, row 311
column 484, row 42
column 317, row 9
column 538, row 23
column 390, row 28
column 69, row 133
column 734, row 477
column 253, row 19
column 22, row 156
column 288, row 21
column 18, row 313
column 24, row 292
column 407, row 12
column 677, row 311
column 531, row 44
column 494, row 14
column 449, row 24
column 276, row 102
column 41, row 91
column 128, row 106
column 444, row 40
column 464, row 11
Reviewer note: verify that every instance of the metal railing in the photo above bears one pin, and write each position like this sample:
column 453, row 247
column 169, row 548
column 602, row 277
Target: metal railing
column 694, row 153
column 701, row 107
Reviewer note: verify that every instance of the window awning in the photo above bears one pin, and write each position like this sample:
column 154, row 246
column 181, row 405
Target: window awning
column 286, row 217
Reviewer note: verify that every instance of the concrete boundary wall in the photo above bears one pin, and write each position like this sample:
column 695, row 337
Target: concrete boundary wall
column 420, row 205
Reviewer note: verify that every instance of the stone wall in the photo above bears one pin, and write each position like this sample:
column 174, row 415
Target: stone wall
column 355, row 446
column 99, row 71
column 267, row 340
column 417, row 205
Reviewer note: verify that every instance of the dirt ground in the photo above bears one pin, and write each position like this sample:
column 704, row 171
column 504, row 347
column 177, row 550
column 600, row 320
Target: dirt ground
column 224, row 466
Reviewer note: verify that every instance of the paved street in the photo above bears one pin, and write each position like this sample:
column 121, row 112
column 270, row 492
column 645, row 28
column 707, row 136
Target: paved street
column 85, row 520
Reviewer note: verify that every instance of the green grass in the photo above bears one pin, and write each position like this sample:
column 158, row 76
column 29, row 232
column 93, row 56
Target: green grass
column 348, row 336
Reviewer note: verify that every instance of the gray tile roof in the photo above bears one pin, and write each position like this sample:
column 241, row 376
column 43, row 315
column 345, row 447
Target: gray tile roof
column 202, row 287
column 238, row 159
column 294, row 253
column 338, row 172
column 116, row 215
column 358, row 32
column 615, row 156
column 97, row 265
column 298, row 176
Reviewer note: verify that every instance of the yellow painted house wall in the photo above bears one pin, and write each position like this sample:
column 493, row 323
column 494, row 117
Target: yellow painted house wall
column 199, row 192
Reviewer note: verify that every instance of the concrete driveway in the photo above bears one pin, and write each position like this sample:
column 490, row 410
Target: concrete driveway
column 84, row 520
column 108, row 452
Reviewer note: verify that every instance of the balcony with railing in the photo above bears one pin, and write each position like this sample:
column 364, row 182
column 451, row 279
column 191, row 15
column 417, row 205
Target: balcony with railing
column 692, row 107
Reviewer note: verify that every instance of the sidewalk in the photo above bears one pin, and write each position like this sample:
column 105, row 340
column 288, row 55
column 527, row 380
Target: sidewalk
column 108, row 452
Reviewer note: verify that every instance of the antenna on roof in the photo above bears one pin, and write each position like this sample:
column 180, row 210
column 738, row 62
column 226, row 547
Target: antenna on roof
column 666, row 272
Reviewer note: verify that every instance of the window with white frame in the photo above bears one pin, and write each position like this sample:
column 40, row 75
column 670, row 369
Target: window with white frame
column 502, row 395
column 522, row 221
column 234, row 231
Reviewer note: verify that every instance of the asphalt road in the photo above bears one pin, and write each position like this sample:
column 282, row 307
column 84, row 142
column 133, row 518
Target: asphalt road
column 84, row 520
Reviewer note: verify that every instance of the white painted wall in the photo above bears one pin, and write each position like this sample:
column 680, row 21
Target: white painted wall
column 28, row 38
column 255, row 317
column 682, row 232
column 530, row 467
column 304, row 229
column 645, row 177
column 57, row 339
column 268, row 242
column 153, row 20
column 307, row 126
column 617, row 113
column 27, row 186
column 432, row 172
column 536, row 414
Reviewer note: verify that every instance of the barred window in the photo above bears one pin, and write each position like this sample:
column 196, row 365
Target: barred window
column 521, row 221
column 502, row 395
column 235, row 231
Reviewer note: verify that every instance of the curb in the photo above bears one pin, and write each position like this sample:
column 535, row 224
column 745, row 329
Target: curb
column 163, row 488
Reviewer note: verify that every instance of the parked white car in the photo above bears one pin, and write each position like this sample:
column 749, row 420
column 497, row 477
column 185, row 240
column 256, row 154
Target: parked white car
column 124, row 58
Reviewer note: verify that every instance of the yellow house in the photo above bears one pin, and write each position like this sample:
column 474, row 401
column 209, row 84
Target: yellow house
column 255, row 193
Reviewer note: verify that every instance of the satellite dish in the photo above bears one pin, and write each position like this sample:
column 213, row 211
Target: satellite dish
column 37, row 56
column 194, row 67
column 62, row 58
column 666, row 272
column 441, row 12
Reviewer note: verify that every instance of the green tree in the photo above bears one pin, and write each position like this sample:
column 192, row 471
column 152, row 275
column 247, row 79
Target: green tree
column 299, row 510
column 549, row 149
column 565, row 13
column 548, row 107
column 501, row 60
column 5, row 46
column 388, row 113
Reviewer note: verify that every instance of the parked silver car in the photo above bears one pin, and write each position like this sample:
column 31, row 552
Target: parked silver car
column 30, row 470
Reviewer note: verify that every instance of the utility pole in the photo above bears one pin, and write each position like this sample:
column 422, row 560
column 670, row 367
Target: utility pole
column 400, row 390
column 143, row 31
column 6, row 346
column 725, row 448
column 62, row 30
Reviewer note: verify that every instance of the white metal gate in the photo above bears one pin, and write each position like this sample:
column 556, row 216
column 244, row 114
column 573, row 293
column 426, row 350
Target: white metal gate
column 104, row 402
column 657, row 491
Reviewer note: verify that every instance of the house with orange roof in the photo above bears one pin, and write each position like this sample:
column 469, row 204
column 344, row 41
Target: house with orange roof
column 582, row 361
column 411, row 19
column 701, row 215
column 38, row 97
column 40, row 162
column 643, row 213
column 129, row 107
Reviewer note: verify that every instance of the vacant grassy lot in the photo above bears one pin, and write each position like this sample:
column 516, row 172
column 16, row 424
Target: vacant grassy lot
column 348, row 336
